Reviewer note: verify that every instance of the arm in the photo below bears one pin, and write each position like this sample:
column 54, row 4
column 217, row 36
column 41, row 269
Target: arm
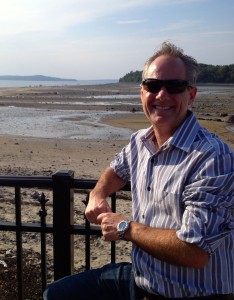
column 166, row 246
column 163, row 244
column 108, row 183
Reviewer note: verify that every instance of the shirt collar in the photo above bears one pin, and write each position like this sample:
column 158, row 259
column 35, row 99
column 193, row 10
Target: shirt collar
column 185, row 135
column 182, row 138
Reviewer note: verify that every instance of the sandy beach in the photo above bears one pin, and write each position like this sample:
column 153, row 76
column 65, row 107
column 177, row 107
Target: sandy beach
column 87, row 157
column 28, row 155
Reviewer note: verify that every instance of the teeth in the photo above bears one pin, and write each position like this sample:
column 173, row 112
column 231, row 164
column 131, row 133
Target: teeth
column 162, row 107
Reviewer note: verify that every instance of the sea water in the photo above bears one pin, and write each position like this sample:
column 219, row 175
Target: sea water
column 70, row 124
column 31, row 83
column 73, row 124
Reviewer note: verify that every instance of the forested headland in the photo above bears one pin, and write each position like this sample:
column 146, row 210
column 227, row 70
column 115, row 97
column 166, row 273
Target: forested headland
column 207, row 74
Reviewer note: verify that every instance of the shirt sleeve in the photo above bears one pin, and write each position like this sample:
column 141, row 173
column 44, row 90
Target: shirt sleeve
column 208, row 202
column 120, row 164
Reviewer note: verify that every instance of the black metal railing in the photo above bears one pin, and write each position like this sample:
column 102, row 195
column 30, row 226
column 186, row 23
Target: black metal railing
column 63, row 185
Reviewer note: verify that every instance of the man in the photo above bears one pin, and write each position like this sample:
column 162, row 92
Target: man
column 182, row 181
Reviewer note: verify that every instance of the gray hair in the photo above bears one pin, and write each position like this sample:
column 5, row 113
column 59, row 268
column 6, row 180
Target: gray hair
column 170, row 49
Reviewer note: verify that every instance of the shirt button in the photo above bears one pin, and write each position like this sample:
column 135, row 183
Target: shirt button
column 138, row 273
column 148, row 188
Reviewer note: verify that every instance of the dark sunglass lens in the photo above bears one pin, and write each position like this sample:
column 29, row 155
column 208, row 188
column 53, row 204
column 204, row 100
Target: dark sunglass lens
column 172, row 86
column 152, row 86
column 176, row 87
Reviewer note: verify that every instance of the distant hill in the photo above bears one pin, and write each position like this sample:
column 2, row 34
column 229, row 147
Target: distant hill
column 206, row 74
column 33, row 78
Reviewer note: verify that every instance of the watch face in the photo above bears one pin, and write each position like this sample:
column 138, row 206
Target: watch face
column 122, row 225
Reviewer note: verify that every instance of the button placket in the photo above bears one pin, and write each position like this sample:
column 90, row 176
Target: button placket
column 149, row 173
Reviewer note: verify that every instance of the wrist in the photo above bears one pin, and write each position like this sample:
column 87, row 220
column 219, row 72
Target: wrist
column 122, row 229
column 98, row 193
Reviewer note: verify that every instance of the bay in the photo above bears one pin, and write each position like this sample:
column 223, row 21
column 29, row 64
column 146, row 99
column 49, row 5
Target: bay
column 29, row 83
column 74, row 124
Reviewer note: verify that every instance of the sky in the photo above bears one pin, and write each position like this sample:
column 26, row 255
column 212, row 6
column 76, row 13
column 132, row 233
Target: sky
column 105, row 39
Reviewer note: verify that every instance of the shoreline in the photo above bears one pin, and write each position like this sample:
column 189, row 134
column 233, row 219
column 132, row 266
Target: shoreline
column 35, row 155
column 87, row 157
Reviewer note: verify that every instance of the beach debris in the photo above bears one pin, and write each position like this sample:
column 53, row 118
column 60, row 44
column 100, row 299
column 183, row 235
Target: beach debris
column 3, row 263
column 230, row 119
column 36, row 195
column 9, row 252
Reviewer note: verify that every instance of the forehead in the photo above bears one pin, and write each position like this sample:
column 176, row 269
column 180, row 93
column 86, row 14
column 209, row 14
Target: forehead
column 167, row 67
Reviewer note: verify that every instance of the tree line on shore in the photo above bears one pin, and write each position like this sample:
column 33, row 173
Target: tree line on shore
column 206, row 74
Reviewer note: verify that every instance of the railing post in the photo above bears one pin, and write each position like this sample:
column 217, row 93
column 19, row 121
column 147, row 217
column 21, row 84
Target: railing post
column 63, row 216
column 43, row 213
column 19, row 243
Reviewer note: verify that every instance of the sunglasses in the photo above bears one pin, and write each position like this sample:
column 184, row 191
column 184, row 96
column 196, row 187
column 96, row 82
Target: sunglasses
column 173, row 86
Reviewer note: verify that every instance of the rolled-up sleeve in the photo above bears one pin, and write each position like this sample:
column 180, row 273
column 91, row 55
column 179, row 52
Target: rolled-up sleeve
column 208, row 202
column 120, row 164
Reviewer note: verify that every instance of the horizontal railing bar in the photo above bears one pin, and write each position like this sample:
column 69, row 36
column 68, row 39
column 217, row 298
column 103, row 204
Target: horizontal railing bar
column 28, row 177
column 82, row 230
column 36, row 227
column 83, row 184
column 90, row 184
column 26, row 227
column 46, row 181
column 26, row 182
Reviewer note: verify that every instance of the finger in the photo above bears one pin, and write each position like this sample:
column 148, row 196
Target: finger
column 100, row 218
column 90, row 217
column 103, row 208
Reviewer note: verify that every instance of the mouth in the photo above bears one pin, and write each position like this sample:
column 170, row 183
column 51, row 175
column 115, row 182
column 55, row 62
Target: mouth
column 158, row 107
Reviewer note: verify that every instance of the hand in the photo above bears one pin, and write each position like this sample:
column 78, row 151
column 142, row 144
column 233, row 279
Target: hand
column 109, row 222
column 108, row 183
column 95, row 207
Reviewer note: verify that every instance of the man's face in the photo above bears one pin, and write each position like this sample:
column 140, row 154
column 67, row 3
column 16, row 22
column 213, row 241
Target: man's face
column 164, row 110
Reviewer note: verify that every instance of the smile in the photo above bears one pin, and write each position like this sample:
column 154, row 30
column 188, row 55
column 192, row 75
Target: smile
column 161, row 107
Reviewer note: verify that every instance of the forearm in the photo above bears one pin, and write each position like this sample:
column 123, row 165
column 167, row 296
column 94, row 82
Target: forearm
column 164, row 245
column 108, row 183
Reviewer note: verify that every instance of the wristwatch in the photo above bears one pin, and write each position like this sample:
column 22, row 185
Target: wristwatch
column 122, row 227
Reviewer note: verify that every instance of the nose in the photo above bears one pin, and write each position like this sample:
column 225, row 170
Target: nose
column 162, row 94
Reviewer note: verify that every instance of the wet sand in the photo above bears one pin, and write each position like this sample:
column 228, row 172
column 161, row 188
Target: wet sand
column 30, row 155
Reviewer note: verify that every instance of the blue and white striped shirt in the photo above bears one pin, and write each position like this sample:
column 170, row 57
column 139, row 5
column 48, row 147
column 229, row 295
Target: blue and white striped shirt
column 187, row 185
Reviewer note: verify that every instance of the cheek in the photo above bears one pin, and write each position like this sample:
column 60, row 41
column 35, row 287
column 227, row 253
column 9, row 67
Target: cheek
column 184, row 102
column 145, row 106
column 145, row 100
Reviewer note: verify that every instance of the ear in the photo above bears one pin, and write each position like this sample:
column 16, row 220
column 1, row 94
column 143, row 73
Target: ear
column 192, row 95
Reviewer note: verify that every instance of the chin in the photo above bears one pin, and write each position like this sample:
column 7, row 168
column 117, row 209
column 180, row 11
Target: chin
column 159, row 120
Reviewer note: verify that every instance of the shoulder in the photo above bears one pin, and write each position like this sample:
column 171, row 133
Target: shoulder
column 213, row 142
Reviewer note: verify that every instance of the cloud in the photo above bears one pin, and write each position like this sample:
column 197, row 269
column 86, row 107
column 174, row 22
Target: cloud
column 64, row 36
column 129, row 22
column 25, row 16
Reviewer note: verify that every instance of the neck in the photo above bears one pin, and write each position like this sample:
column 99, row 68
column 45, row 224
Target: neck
column 161, row 137
column 162, row 134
